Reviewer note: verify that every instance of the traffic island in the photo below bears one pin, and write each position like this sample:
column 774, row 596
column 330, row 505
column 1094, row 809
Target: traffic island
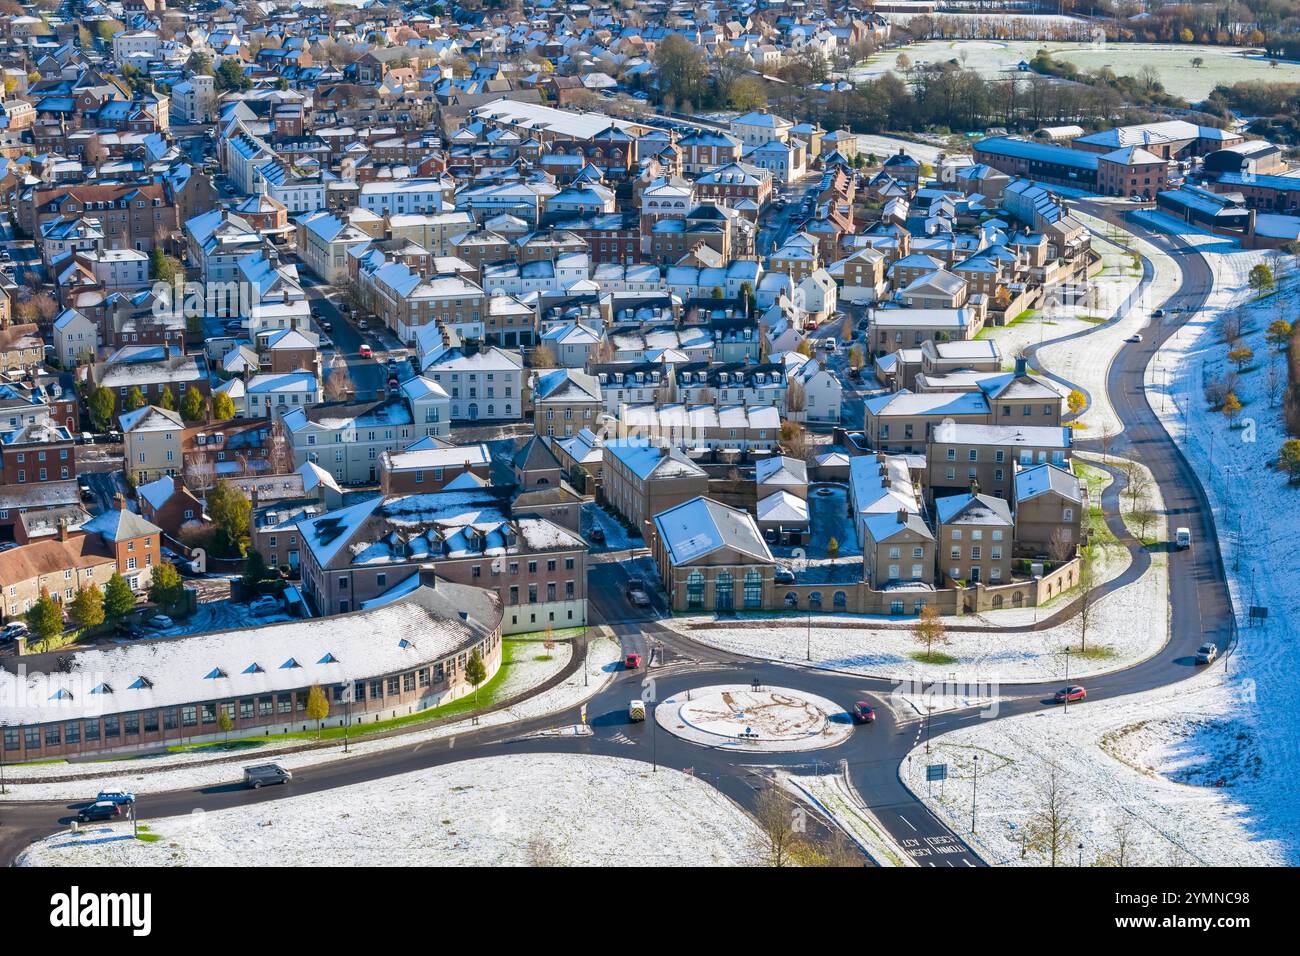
column 765, row 719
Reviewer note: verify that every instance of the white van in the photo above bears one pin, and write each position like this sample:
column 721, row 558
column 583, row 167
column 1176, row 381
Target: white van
column 636, row 710
column 1183, row 538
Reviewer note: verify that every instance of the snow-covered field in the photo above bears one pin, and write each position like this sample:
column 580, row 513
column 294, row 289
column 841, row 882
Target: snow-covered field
column 1143, row 770
column 1118, row 773
column 1258, row 516
column 193, row 768
column 517, row 810
column 1173, row 62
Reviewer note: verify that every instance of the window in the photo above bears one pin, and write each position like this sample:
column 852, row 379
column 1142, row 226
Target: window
column 695, row 591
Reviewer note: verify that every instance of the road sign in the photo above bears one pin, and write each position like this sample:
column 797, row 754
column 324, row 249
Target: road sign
column 1258, row 613
column 584, row 713
column 936, row 771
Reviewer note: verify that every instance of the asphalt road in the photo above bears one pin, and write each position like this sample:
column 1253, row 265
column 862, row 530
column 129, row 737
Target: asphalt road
column 368, row 374
column 872, row 755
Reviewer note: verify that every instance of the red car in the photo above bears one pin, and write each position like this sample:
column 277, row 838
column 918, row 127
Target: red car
column 1072, row 693
column 632, row 661
column 863, row 713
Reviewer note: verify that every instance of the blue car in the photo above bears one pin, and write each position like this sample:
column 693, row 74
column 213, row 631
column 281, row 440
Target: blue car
column 115, row 796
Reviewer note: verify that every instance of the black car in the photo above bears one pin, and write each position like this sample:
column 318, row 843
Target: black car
column 100, row 810
column 783, row 576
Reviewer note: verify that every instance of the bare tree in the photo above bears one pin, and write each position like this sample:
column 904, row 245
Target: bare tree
column 1061, row 547
column 200, row 476
column 1087, row 600
column 796, row 398
column 338, row 385
column 1274, row 382
column 1137, row 483
column 778, row 838
column 1051, row 828
column 1122, row 833
column 1106, row 439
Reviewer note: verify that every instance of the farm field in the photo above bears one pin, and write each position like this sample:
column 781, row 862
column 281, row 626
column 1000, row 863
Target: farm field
column 1173, row 61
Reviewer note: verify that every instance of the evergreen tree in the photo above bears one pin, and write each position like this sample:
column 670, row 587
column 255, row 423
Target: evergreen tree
column 134, row 399
column 193, row 408
column 102, row 404
column 475, row 671
column 165, row 587
column 223, row 407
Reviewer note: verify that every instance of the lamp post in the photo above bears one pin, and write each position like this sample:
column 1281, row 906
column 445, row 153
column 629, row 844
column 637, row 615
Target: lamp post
column 3, row 724
column 1080, row 854
column 586, row 659
column 974, row 787
column 1067, row 680
column 808, row 645
column 347, row 721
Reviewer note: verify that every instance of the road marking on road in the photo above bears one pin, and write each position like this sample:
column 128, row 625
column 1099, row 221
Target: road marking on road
column 908, row 822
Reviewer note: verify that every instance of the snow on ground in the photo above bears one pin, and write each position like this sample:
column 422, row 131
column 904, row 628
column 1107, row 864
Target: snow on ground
column 1117, row 773
column 616, row 536
column 882, row 146
column 1173, row 62
column 834, row 797
column 517, row 810
column 983, row 657
column 1085, row 361
column 1055, row 320
column 1154, row 759
column 1258, row 517
column 1130, row 623
column 604, row 659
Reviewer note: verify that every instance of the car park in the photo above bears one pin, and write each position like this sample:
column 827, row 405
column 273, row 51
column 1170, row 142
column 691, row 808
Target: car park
column 1207, row 652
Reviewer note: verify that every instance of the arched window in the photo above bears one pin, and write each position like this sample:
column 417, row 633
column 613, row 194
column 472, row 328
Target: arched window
column 723, row 599
column 753, row 588
column 815, row 601
column 695, row 591
column 840, row 601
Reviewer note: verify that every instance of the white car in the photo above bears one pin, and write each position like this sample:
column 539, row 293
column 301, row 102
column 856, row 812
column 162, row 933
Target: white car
column 1135, row 337
column 159, row 621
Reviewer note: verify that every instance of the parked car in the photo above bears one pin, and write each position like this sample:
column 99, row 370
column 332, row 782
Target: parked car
column 1158, row 314
column 159, row 621
column 265, row 605
column 13, row 630
column 597, row 535
column 363, row 324
column 326, row 325
column 1072, row 693
column 99, row 811
column 632, row 661
column 115, row 796
column 638, row 596
column 365, row 351
column 83, row 490
column 863, row 713
column 1207, row 652
column 264, row 774
column 783, row 576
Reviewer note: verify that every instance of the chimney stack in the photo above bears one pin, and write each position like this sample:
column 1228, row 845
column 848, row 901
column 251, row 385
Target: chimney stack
column 1020, row 365
column 902, row 516
column 119, row 501
column 428, row 576
column 63, row 529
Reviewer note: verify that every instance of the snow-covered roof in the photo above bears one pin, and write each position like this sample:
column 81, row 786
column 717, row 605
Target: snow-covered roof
column 145, row 675
column 703, row 526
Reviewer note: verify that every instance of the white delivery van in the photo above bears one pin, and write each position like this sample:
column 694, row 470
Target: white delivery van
column 1182, row 538
column 636, row 710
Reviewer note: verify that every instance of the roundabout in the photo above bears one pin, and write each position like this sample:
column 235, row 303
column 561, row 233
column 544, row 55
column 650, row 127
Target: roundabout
column 744, row 717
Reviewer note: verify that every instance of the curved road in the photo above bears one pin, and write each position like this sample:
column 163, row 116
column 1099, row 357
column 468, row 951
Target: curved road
column 873, row 754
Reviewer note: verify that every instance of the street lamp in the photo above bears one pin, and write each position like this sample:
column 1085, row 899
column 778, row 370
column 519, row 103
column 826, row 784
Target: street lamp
column 974, row 787
column 347, row 722
column 1080, row 854
column 3, row 724
column 1067, row 680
